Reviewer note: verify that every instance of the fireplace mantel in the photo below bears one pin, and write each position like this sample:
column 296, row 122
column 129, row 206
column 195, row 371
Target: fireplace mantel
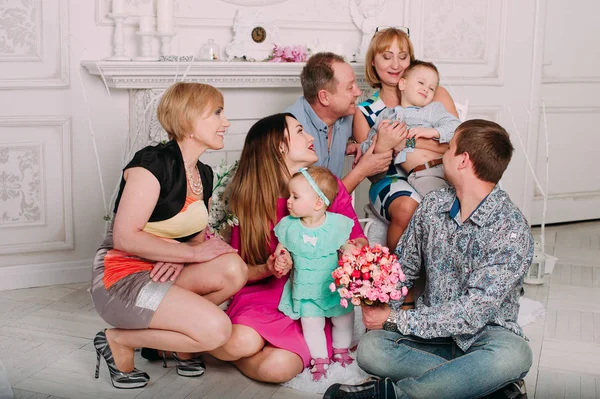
column 160, row 75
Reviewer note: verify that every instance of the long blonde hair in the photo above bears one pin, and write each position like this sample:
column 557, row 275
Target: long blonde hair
column 261, row 177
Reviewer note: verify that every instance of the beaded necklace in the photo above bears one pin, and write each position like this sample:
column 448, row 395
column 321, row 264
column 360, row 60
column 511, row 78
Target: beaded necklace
column 195, row 186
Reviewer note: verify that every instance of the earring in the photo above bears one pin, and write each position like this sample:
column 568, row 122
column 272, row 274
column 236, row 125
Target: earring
column 191, row 136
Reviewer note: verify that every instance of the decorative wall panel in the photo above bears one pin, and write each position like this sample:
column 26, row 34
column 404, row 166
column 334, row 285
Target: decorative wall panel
column 20, row 31
column 33, row 44
column 465, row 39
column 35, row 184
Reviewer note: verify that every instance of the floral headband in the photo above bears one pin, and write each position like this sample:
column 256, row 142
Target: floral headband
column 312, row 183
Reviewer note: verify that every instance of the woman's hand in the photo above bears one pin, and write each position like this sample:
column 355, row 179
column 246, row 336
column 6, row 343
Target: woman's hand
column 211, row 249
column 163, row 271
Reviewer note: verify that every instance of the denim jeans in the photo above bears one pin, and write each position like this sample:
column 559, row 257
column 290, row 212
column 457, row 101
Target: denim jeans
column 437, row 368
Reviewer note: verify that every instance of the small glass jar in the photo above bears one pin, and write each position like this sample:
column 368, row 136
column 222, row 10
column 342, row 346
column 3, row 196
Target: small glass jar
column 209, row 51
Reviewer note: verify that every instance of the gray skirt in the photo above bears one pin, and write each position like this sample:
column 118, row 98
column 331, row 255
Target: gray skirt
column 130, row 302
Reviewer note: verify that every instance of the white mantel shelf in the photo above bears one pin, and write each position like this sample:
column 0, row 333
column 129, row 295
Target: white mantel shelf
column 160, row 75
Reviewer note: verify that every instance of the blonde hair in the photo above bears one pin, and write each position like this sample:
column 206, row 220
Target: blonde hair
column 380, row 42
column 324, row 180
column 182, row 103
column 261, row 176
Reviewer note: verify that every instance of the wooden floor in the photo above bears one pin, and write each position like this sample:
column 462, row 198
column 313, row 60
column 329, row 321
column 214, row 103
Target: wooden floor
column 45, row 339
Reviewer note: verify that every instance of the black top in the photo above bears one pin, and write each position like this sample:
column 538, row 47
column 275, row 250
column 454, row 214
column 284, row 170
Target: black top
column 165, row 162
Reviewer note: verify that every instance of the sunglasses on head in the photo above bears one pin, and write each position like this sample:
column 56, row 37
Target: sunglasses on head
column 401, row 28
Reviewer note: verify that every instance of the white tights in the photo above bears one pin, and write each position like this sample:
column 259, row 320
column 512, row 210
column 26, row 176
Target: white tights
column 314, row 333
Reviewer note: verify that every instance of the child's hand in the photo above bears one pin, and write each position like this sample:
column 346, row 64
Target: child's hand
column 424, row 133
column 283, row 262
column 389, row 135
column 349, row 246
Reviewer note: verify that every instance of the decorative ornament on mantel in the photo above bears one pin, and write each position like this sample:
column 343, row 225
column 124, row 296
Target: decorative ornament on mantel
column 253, row 36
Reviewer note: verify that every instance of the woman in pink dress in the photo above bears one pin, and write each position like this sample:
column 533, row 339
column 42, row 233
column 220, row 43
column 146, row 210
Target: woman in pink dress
column 265, row 344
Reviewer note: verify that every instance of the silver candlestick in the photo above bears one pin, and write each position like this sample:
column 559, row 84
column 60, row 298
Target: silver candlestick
column 119, row 39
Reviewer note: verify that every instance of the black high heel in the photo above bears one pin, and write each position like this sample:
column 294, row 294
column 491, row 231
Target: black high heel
column 133, row 379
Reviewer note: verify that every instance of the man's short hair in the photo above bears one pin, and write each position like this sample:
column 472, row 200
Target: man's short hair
column 418, row 63
column 318, row 74
column 488, row 146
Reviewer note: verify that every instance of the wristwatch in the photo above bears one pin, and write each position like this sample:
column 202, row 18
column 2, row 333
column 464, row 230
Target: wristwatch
column 391, row 324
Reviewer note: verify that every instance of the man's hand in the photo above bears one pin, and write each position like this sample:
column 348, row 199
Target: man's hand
column 389, row 135
column 423, row 133
column 375, row 316
column 354, row 149
column 371, row 164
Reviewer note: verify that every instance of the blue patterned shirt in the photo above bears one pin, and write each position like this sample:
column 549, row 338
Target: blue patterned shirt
column 330, row 157
column 475, row 268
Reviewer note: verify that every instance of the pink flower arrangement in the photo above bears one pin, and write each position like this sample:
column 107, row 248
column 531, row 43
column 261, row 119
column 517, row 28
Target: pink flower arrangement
column 297, row 53
column 369, row 275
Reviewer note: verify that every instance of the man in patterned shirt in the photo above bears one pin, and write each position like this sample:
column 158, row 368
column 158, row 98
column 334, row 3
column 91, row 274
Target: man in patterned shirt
column 462, row 339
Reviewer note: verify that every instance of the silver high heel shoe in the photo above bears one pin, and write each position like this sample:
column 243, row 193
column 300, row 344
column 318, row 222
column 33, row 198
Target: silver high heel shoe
column 133, row 379
column 193, row 367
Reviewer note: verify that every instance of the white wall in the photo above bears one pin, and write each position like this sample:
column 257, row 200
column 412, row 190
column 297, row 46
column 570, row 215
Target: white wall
column 484, row 50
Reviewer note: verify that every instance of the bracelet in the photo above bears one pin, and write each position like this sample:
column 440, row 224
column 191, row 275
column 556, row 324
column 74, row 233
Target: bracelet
column 408, row 304
column 352, row 140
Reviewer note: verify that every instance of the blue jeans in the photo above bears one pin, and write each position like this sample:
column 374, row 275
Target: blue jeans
column 437, row 368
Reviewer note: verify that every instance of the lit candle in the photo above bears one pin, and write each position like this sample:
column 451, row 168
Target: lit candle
column 146, row 23
column 118, row 7
column 165, row 22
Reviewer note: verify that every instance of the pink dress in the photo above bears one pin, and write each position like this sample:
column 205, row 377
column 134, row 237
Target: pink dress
column 256, row 304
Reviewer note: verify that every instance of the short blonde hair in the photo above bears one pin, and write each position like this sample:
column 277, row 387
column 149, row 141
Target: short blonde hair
column 324, row 179
column 380, row 42
column 184, row 102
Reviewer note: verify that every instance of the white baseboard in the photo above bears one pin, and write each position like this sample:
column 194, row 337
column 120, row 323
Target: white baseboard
column 38, row 275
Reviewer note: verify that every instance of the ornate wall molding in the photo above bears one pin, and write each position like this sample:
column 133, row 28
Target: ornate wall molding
column 191, row 21
column 160, row 75
column 471, row 51
column 41, row 34
column 21, row 31
column 35, row 184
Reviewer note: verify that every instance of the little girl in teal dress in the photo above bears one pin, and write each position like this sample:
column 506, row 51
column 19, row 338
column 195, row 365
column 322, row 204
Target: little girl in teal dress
column 313, row 237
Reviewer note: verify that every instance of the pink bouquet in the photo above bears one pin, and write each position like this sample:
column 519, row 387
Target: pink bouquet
column 369, row 275
column 295, row 53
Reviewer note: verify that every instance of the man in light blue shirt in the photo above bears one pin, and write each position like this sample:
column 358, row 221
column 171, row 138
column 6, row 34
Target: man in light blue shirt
column 326, row 112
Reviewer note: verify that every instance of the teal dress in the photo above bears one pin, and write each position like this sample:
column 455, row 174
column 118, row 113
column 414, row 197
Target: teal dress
column 314, row 251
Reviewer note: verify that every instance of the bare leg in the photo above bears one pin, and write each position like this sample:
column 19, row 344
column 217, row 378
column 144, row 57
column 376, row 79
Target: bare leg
column 185, row 321
column 221, row 277
column 401, row 210
column 271, row 364
column 244, row 342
